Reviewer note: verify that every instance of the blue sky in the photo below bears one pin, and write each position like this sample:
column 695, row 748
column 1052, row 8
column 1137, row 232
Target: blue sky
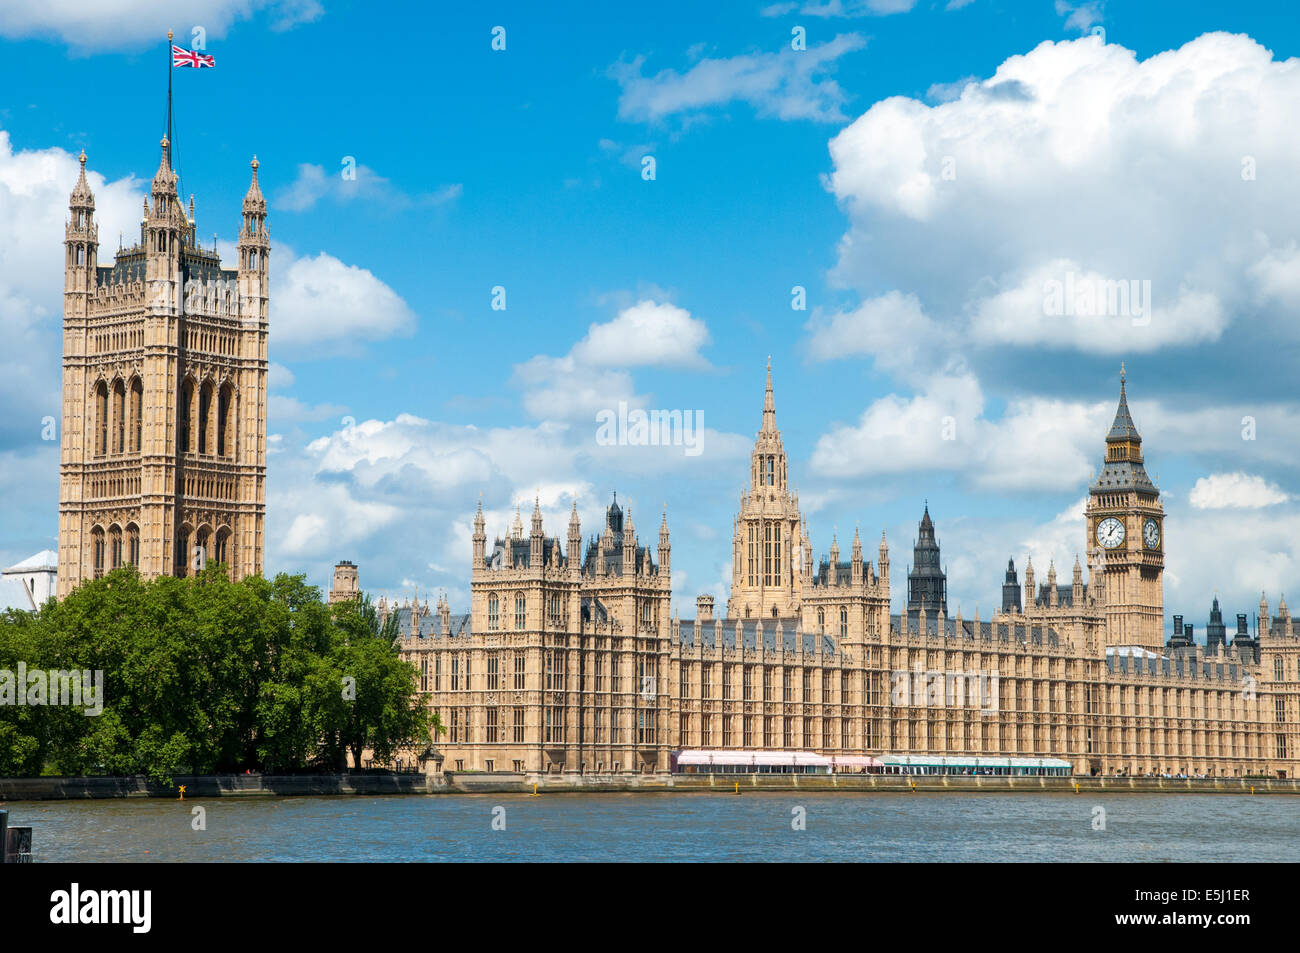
column 400, row 395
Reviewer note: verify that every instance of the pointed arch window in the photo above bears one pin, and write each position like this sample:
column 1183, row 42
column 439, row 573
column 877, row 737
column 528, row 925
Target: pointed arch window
column 494, row 612
column 844, row 622
column 97, row 551
column 119, row 416
column 114, row 547
column 225, row 420
column 133, row 544
column 186, row 433
column 101, row 419
column 521, row 613
column 136, row 414
column 821, row 621
column 205, row 417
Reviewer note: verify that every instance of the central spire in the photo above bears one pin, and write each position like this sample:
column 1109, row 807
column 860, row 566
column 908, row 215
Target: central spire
column 769, row 403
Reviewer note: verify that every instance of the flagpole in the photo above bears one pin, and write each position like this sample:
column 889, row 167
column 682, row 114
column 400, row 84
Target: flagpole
column 169, row 98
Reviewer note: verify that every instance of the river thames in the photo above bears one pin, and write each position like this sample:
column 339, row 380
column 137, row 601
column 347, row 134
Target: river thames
column 657, row 827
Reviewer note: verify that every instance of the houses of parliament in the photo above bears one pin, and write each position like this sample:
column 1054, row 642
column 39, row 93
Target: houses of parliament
column 569, row 658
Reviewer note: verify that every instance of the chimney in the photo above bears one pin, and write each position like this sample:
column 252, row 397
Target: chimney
column 704, row 608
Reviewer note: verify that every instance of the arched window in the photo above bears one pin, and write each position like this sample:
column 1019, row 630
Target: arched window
column 97, row 551
column 182, row 558
column 202, row 550
column 205, row 415
column 225, row 420
column 494, row 612
column 101, row 419
column 1277, row 667
column 137, row 415
column 821, row 621
column 521, row 610
column 221, row 548
column 844, row 622
column 133, row 544
column 114, row 547
column 186, row 417
column 119, row 416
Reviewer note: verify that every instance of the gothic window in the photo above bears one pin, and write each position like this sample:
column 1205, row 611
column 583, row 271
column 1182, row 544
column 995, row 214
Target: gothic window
column 137, row 415
column 493, row 672
column 114, row 547
column 183, row 552
column 101, row 419
column 97, row 548
column 205, row 414
column 821, row 621
column 494, row 612
column 521, row 606
column 133, row 544
column 220, row 548
column 753, row 555
column 225, row 408
column 519, row 675
column 186, row 417
column 844, row 622
column 119, row 416
column 1277, row 668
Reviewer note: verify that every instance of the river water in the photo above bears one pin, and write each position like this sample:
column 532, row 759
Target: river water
column 659, row 827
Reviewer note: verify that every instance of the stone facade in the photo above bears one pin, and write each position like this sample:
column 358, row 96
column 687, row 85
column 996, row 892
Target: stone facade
column 163, row 459
column 570, row 663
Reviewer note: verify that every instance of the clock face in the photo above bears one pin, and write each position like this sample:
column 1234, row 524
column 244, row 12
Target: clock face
column 1151, row 534
column 1110, row 532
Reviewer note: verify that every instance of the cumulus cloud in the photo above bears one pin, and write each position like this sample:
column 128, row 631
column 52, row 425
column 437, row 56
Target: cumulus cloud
column 1235, row 491
column 649, row 333
column 1037, row 443
column 126, row 24
column 788, row 84
column 1079, row 157
column 321, row 305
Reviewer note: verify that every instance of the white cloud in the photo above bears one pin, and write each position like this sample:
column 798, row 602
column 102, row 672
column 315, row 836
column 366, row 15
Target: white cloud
column 788, row 84
column 845, row 8
column 124, row 24
column 1081, row 16
column 649, row 333
column 313, row 183
column 1234, row 491
column 1060, row 305
column 321, row 305
column 1036, row 444
column 892, row 328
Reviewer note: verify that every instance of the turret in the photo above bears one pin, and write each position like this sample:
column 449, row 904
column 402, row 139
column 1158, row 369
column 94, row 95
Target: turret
column 857, row 560
column 254, row 252
column 629, row 547
column 574, row 552
column 665, row 548
column 1011, row 589
column 81, row 238
column 1030, row 595
column 536, row 541
column 1076, row 590
column 480, row 537
column 164, row 227
column 883, row 560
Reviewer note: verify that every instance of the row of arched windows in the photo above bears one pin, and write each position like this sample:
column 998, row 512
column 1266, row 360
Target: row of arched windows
column 844, row 622
column 196, row 548
column 494, row 611
column 119, row 410
column 114, row 548
column 207, row 418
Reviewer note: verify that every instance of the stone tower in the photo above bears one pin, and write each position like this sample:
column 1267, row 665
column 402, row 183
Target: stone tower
column 1124, row 523
column 345, row 584
column 163, row 458
column 770, row 550
column 927, row 583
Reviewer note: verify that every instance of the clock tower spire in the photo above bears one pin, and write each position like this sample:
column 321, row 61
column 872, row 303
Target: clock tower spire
column 1125, row 530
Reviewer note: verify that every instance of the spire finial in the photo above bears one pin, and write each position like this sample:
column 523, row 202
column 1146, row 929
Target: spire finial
column 1122, row 374
column 170, row 34
column 83, row 158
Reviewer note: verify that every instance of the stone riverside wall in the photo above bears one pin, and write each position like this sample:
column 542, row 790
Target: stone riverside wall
column 39, row 789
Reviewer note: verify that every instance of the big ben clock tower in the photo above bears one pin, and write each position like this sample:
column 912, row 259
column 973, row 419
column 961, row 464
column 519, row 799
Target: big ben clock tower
column 1125, row 528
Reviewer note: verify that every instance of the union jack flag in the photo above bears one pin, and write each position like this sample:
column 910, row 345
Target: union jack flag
column 184, row 57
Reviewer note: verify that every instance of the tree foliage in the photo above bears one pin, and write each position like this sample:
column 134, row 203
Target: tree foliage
column 202, row 675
